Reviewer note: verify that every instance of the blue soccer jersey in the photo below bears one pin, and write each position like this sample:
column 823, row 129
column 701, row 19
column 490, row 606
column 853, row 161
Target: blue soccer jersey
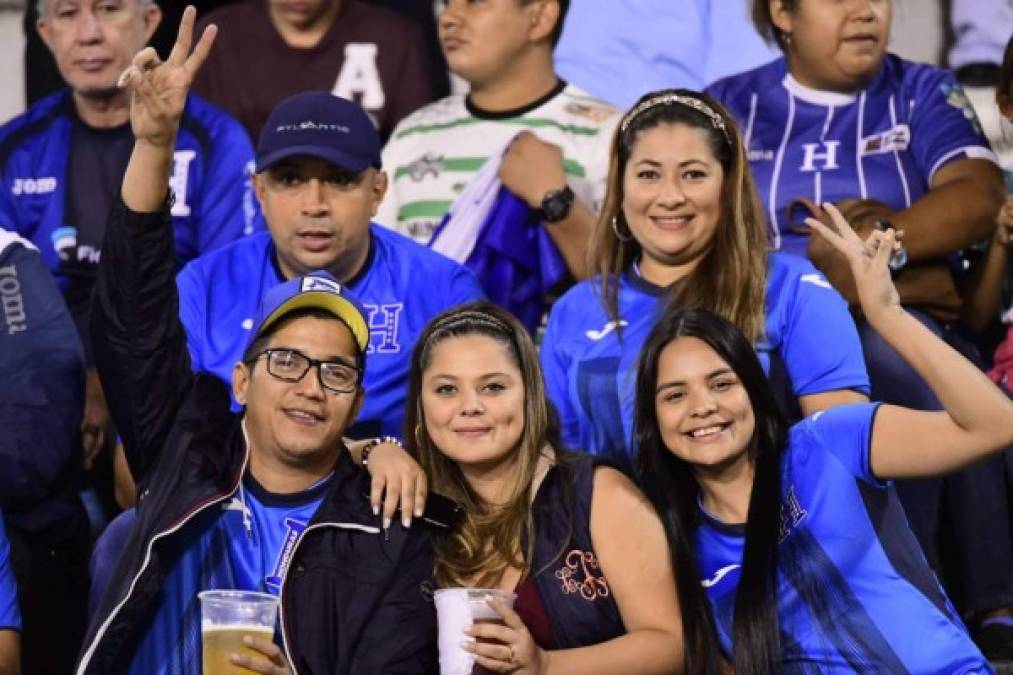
column 884, row 143
column 855, row 593
column 401, row 286
column 10, row 614
column 243, row 544
column 591, row 367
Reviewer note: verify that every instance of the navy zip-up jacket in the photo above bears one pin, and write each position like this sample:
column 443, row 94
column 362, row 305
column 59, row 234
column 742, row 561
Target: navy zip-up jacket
column 354, row 600
column 41, row 399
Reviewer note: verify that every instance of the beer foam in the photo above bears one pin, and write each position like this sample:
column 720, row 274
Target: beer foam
column 210, row 627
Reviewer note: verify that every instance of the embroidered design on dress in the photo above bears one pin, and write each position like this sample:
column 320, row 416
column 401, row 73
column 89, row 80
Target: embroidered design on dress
column 580, row 573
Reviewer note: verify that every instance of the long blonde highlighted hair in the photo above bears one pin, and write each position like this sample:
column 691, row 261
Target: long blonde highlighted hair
column 488, row 541
column 731, row 277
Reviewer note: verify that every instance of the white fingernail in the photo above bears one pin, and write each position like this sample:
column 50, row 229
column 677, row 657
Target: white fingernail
column 376, row 510
column 386, row 523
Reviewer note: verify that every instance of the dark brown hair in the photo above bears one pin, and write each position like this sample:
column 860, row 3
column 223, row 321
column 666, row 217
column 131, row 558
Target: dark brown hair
column 764, row 21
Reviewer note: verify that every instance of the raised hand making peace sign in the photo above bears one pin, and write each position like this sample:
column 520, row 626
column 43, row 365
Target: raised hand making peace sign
column 158, row 92
column 869, row 261
column 159, row 88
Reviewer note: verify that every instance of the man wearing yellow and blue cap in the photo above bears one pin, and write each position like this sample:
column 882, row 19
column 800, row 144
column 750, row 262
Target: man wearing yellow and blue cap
column 266, row 500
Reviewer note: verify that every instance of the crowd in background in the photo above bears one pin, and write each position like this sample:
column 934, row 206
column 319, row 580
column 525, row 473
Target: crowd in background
column 575, row 175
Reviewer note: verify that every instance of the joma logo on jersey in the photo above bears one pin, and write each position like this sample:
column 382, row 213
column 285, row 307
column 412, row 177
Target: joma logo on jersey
column 33, row 186
column 820, row 156
column 13, row 301
column 384, row 322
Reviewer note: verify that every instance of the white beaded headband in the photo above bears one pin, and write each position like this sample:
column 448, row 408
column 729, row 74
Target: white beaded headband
column 669, row 99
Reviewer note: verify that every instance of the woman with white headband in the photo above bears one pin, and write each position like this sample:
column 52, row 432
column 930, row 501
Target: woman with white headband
column 682, row 224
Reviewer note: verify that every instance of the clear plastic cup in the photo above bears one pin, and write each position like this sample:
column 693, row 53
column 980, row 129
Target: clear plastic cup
column 226, row 618
column 456, row 610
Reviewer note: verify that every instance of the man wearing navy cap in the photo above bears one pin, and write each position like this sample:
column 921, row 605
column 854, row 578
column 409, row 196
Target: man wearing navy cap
column 319, row 182
column 267, row 500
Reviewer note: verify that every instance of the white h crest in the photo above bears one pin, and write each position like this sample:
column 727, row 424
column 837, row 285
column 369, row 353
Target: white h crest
column 828, row 157
column 180, row 175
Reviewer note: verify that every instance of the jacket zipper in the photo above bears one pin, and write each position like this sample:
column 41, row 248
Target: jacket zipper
column 284, row 578
column 147, row 557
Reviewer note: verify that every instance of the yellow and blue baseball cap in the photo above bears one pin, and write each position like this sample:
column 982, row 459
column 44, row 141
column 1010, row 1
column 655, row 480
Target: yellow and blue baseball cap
column 316, row 290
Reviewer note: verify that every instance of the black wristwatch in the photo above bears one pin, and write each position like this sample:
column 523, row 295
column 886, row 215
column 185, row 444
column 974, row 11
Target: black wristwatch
column 556, row 205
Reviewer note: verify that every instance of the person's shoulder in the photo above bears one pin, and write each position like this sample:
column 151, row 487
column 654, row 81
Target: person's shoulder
column 582, row 107
column 12, row 241
column 748, row 81
column 582, row 299
column 246, row 253
column 431, row 117
column 790, row 277
column 34, row 122
column 784, row 264
column 918, row 80
column 208, row 124
column 412, row 258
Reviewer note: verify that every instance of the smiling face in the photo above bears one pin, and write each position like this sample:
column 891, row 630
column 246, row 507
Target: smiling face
column 298, row 423
column 836, row 45
column 473, row 400
column 703, row 410
column 93, row 41
column 319, row 214
column 672, row 196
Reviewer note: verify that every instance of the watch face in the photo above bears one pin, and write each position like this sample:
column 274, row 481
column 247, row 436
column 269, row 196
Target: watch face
column 556, row 205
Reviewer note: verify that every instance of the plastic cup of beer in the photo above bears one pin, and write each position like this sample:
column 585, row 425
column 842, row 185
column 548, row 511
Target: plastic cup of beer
column 456, row 610
column 226, row 618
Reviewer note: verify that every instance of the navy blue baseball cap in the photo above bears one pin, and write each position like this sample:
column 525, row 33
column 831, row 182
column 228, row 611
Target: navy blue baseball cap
column 318, row 290
column 319, row 124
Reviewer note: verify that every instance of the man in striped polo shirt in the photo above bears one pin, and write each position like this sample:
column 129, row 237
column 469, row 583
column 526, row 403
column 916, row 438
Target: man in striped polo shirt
column 558, row 136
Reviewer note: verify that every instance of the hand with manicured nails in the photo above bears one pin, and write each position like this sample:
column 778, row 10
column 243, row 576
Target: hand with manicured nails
column 276, row 663
column 868, row 260
column 158, row 89
column 510, row 649
column 393, row 470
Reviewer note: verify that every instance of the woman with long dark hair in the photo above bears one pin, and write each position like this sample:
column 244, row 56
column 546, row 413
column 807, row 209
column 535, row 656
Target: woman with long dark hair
column 681, row 223
column 576, row 541
column 839, row 118
column 791, row 551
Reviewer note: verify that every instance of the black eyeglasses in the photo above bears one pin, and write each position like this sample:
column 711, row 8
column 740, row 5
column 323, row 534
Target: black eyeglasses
column 291, row 365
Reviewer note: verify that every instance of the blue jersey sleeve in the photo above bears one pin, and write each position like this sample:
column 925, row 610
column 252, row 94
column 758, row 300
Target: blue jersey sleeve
column 944, row 126
column 192, row 299
column 820, row 347
column 555, row 371
column 846, row 432
column 226, row 210
column 10, row 614
column 464, row 287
